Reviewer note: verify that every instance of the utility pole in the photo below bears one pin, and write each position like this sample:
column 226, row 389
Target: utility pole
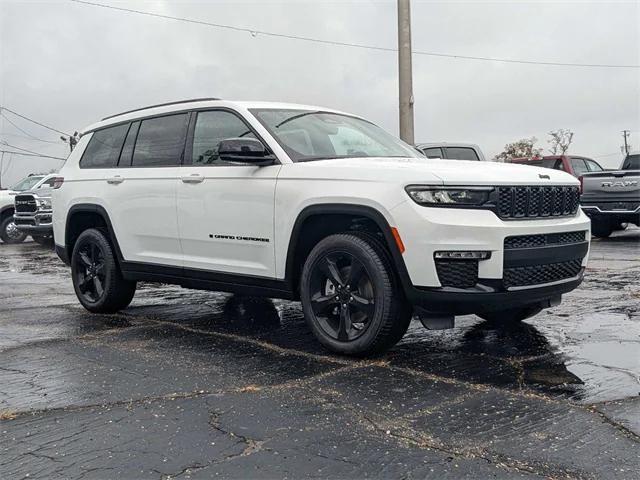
column 625, row 135
column 405, row 71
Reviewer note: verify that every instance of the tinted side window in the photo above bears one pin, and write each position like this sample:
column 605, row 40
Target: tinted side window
column 593, row 165
column 160, row 141
column 632, row 162
column 127, row 149
column 211, row 128
column 433, row 152
column 104, row 147
column 461, row 153
column 578, row 165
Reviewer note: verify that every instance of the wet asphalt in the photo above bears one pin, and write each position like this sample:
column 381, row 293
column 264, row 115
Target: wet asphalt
column 192, row 384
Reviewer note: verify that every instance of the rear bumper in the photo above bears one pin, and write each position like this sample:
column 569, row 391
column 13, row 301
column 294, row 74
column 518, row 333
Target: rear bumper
column 602, row 211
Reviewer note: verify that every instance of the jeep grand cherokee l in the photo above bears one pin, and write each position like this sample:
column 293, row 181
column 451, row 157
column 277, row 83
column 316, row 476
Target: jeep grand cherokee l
column 312, row 204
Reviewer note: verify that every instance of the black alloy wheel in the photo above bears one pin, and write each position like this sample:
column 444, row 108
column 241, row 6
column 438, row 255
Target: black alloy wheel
column 342, row 296
column 90, row 271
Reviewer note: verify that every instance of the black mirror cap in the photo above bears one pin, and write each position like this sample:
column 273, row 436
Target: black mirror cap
column 245, row 150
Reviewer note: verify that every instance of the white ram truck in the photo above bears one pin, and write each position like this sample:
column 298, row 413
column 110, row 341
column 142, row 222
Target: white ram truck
column 312, row 204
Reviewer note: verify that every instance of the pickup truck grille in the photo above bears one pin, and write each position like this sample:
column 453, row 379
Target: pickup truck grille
column 539, row 274
column 544, row 240
column 25, row 204
column 537, row 202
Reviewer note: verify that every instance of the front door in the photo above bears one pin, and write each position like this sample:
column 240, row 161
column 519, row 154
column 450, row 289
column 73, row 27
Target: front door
column 225, row 209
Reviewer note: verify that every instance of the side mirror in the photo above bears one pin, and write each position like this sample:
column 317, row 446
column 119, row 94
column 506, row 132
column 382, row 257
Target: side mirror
column 244, row 150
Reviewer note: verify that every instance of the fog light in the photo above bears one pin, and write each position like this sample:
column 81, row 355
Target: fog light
column 462, row 255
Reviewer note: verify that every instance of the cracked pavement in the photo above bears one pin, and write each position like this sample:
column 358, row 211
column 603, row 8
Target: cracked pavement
column 190, row 384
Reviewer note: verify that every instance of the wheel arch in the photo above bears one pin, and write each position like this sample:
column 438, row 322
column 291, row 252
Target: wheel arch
column 82, row 217
column 6, row 211
column 298, row 249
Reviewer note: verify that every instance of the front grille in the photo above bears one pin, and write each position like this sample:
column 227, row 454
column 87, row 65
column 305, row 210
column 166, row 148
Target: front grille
column 25, row 204
column 535, row 202
column 539, row 274
column 457, row 273
column 543, row 240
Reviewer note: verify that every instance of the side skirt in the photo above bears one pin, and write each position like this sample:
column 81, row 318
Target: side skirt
column 207, row 280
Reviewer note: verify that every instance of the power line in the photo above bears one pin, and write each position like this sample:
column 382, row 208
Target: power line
column 32, row 155
column 17, row 148
column 24, row 131
column 348, row 44
column 28, row 137
column 31, row 120
column 607, row 155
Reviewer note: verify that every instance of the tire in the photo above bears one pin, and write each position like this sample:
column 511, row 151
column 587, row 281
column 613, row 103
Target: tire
column 351, row 297
column 9, row 233
column 44, row 240
column 97, row 279
column 601, row 228
column 512, row 315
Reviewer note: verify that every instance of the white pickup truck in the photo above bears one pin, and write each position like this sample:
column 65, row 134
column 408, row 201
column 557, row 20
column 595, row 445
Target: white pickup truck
column 612, row 198
column 312, row 204
column 9, row 233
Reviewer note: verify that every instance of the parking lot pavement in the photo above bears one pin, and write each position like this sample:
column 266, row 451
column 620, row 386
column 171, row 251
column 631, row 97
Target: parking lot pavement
column 189, row 384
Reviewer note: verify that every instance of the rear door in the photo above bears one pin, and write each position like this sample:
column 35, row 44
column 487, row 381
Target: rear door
column 225, row 209
column 140, row 193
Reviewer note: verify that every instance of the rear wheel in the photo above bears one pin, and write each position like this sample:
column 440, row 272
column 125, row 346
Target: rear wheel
column 601, row 228
column 9, row 232
column 97, row 279
column 350, row 295
column 510, row 315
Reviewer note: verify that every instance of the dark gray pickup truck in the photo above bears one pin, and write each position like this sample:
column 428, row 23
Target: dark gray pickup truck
column 612, row 198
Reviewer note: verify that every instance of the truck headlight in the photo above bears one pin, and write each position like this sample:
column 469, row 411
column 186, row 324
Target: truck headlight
column 449, row 196
column 44, row 203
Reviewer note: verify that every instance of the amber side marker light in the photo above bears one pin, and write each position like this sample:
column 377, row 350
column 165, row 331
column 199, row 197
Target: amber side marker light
column 396, row 236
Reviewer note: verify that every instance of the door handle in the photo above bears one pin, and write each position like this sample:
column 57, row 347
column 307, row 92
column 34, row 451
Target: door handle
column 115, row 179
column 193, row 178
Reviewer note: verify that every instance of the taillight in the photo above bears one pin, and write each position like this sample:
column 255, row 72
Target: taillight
column 57, row 182
column 581, row 180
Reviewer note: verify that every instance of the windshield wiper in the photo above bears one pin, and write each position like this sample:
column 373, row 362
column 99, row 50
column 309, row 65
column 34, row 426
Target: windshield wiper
column 296, row 116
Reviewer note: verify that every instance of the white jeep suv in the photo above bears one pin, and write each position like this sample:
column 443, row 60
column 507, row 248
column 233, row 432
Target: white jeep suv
column 308, row 203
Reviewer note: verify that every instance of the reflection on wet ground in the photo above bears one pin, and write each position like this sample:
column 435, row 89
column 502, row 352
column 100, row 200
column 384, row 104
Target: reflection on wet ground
column 503, row 385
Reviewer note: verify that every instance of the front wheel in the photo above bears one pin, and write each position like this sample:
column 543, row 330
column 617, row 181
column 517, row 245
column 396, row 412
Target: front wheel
column 511, row 315
column 350, row 295
column 9, row 232
column 97, row 279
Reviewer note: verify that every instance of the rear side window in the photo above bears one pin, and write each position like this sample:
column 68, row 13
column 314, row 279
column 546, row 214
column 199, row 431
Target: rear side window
column 127, row 149
column 433, row 153
column 578, row 165
column 211, row 128
column 461, row 153
column 160, row 141
column 104, row 147
column 593, row 165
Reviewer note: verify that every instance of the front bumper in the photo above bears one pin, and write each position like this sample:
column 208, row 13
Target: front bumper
column 38, row 223
column 511, row 277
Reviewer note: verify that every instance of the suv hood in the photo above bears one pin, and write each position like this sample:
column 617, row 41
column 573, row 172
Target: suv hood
column 446, row 172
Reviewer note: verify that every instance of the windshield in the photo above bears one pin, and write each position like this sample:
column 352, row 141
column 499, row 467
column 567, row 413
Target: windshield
column 26, row 184
column 313, row 135
column 632, row 162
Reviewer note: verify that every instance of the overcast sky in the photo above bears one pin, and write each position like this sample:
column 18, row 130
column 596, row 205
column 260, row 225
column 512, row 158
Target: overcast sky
column 66, row 65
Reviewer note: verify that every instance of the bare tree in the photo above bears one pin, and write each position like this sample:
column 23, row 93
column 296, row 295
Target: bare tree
column 524, row 147
column 560, row 141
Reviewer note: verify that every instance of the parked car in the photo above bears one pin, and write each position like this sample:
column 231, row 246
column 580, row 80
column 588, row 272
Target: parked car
column 9, row 233
column 612, row 198
column 312, row 204
column 33, row 215
column 451, row 151
column 575, row 165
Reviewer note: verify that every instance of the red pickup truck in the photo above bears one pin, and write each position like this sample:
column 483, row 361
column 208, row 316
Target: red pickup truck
column 573, row 164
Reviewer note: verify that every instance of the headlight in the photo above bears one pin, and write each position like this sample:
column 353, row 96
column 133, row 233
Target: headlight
column 44, row 203
column 449, row 196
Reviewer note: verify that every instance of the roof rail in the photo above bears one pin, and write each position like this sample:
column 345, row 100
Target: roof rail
column 161, row 105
